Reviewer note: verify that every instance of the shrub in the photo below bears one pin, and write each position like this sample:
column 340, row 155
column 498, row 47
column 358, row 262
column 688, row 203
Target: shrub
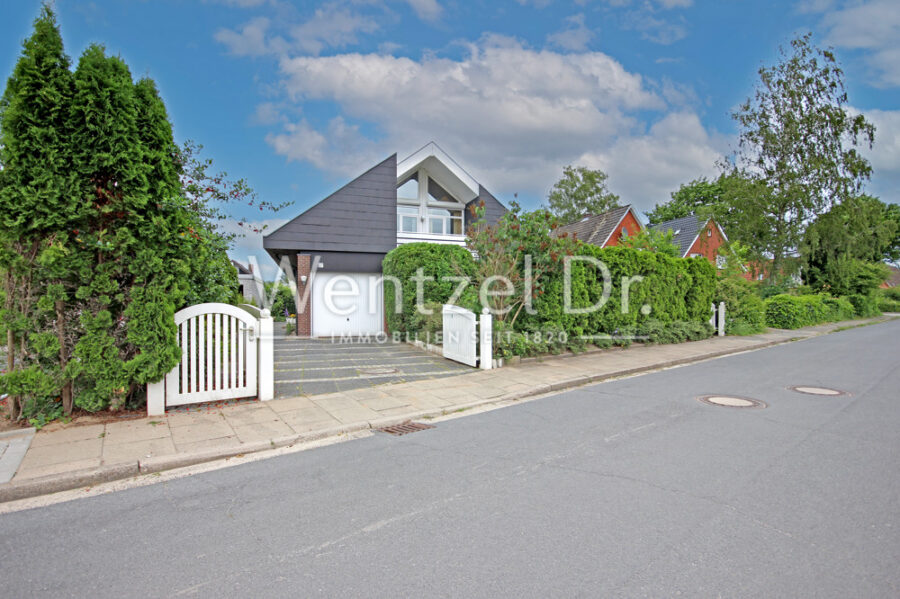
column 745, row 313
column 864, row 305
column 889, row 299
column 792, row 312
column 436, row 261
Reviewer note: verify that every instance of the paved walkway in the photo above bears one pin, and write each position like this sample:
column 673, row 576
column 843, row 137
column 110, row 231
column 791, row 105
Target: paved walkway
column 316, row 366
column 70, row 456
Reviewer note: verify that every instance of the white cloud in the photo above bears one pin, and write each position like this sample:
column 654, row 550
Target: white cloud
column 645, row 169
column 514, row 116
column 885, row 155
column 427, row 10
column 874, row 28
column 663, row 31
column 332, row 27
column 249, row 41
column 574, row 37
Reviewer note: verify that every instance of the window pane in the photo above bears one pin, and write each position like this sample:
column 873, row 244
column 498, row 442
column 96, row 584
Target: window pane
column 408, row 210
column 437, row 226
column 438, row 193
column 409, row 189
column 456, row 223
column 408, row 224
column 438, row 212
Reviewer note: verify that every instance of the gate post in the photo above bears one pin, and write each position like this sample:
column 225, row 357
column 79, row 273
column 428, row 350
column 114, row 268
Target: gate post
column 266, row 349
column 487, row 340
column 156, row 398
column 720, row 321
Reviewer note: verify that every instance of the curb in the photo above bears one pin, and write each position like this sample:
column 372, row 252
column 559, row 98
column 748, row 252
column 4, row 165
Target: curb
column 56, row 483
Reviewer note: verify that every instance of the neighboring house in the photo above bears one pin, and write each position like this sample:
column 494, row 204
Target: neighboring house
column 894, row 279
column 336, row 247
column 249, row 284
column 606, row 229
column 694, row 236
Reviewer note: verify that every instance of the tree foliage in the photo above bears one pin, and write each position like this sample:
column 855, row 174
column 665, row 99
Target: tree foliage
column 801, row 144
column 581, row 191
column 105, row 233
column 700, row 197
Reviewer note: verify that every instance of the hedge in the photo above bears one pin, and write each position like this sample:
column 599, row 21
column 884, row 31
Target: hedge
column 674, row 289
column 435, row 260
column 745, row 313
column 792, row 312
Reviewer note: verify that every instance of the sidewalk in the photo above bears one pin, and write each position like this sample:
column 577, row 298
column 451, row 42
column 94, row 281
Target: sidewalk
column 65, row 457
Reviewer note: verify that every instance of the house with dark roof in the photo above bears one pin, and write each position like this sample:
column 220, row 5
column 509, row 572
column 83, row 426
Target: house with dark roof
column 335, row 248
column 249, row 283
column 695, row 236
column 894, row 279
column 606, row 229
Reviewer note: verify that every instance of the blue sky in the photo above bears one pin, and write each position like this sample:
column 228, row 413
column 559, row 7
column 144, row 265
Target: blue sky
column 298, row 97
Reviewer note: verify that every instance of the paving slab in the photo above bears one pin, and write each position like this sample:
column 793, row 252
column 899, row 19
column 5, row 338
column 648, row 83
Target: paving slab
column 134, row 452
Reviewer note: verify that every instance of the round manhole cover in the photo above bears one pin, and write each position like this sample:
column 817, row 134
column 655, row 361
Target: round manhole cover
column 817, row 391
column 377, row 370
column 731, row 401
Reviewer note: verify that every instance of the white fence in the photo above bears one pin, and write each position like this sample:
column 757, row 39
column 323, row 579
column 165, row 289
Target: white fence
column 227, row 352
column 466, row 338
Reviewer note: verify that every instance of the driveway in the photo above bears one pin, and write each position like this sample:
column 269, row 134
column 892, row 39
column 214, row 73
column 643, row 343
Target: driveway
column 314, row 366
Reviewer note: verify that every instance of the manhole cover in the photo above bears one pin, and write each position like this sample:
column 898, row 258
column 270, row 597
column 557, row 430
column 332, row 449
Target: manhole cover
column 404, row 428
column 818, row 391
column 731, row 401
column 382, row 370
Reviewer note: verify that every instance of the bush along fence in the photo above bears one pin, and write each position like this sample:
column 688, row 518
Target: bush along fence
column 581, row 295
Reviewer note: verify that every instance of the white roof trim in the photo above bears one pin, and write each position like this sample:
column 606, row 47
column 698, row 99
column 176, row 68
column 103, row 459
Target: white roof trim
column 442, row 165
column 616, row 228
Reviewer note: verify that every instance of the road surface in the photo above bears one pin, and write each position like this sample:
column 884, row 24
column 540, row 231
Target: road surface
column 630, row 488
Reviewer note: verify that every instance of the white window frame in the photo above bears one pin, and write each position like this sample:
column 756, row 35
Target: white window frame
column 424, row 202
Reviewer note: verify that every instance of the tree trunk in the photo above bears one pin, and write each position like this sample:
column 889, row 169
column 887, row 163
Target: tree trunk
column 12, row 401
column 66, row 391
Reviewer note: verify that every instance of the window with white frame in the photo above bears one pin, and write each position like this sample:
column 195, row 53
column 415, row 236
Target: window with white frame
column 409, row 189
column 407, row 218
column 444, row 222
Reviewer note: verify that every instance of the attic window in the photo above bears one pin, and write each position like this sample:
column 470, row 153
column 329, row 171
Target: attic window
column 709, row 232
column 436, row 193
column 625, row 231
column 409, row 189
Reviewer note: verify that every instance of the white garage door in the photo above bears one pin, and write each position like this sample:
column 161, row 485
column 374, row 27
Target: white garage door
column 347, row 303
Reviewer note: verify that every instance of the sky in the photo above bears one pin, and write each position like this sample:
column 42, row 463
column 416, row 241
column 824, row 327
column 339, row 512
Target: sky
column 298, row 98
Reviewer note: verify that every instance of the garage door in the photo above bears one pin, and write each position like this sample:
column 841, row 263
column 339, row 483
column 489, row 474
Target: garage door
column 347, row 303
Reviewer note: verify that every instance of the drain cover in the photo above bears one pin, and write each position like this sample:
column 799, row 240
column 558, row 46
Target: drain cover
column 818, row 391
column 404, row 428
column 731, row 401
column 383, row 370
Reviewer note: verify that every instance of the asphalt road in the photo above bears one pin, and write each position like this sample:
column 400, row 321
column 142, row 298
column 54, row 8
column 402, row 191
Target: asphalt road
column 629, row 488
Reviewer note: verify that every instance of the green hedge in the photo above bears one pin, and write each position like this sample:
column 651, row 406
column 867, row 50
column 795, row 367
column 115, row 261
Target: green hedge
column 792, row 312
column 864, row 305
column 745, row 313
column 889, row 299
column 674, row 289
column 435, row 260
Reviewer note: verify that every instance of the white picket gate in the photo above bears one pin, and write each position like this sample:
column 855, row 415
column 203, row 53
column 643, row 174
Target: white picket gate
column 463, row 334
column 226, row 353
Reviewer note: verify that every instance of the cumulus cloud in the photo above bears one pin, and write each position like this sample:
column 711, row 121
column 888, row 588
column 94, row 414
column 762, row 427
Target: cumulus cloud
column 250, row 40
column 874, row 28
column 427, row 10
column 645, row 169
column 574, row 37
column 885, row 155
column 514, row 116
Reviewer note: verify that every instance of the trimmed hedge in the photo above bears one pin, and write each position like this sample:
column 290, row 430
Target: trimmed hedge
column 792, row 312
column 889, row 299
column 675, row 289
column 435, row 260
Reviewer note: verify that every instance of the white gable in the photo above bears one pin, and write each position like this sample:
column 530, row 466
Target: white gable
column 443, row 169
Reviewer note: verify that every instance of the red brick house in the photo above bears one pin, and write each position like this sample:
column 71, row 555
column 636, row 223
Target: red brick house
column 893, row 280
column 695, row 237
column 605, row 229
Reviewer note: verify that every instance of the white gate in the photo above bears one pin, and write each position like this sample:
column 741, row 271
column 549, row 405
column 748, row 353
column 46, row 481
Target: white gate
column 226, row 353
column 461, row 338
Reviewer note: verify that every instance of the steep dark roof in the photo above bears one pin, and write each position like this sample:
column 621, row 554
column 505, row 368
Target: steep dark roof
column 493, row 209
column 595, row 229
column 686, row 230
column 361, row 216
